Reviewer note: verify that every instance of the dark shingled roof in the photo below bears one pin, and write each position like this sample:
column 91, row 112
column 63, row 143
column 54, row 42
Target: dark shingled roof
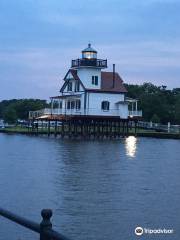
column 107, row 82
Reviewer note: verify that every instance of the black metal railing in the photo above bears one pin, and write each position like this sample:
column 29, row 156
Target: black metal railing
column 89, row 63
column 44, row 228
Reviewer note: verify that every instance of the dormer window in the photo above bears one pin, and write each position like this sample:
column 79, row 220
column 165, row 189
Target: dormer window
column 69, row 87
column 95, row 80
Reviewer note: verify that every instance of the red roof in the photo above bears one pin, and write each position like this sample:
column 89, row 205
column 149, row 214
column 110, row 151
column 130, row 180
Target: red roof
column 107, row 82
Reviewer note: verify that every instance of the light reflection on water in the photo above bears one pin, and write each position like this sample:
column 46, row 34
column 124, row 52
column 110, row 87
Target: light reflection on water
column 94, row 191
column 131, row 145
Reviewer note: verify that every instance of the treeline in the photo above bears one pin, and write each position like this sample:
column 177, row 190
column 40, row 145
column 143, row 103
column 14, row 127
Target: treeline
column 157, row 103
column 12, row 110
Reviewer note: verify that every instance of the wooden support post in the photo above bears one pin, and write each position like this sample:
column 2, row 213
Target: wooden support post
column 55, row 129
column 48, row 128
column 127, row 127
column 42, row 127
column 110, row 128
column 62, row 129
column 104, row 128
column 75, row 128
column 123, row 130
column 69, row 128
column 32, row 125
column 98, row 128
column 135, row 126
column 81, row 127
column 94, row 128
column 119, row 128
column 114, row 128
column 37, row 126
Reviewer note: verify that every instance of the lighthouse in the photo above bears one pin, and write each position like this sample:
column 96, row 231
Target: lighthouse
column 91, row 98
column 88, row 90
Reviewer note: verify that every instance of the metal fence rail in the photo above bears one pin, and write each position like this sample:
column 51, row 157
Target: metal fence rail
column 159, row 127
column 44, row 228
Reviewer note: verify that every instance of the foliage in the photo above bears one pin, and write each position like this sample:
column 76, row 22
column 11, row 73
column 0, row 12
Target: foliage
column 157, row 101
column 10, row 115
column 11, row 110
column 155, row 119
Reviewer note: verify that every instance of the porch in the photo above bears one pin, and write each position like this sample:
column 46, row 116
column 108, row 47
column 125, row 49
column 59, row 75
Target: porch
column 73, row 105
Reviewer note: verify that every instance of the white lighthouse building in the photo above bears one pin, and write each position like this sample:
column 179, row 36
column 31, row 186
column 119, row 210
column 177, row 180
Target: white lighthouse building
column 88, row 90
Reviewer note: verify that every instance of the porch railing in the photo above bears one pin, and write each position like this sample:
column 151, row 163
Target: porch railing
column 90, row 111
column 44, row 229
column 135, row 113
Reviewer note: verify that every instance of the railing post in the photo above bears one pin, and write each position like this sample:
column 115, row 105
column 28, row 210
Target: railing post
column 45, row 224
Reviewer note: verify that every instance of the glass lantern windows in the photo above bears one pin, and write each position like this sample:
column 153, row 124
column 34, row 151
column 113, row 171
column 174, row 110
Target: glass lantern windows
column 89, row 55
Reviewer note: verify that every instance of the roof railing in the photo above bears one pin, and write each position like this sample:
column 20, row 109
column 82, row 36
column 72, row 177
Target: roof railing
column 44, row 228
column 101, row 63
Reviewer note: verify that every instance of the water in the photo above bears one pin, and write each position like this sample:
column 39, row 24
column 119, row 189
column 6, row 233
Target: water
column 97, row 189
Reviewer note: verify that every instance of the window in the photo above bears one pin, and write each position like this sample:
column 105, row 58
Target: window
column 60, row 104
column 105, row 105
column 77, row 86
column 72, row 105
column 69, row 86
column 68, row 105
column 78, row 104
column 95, row 80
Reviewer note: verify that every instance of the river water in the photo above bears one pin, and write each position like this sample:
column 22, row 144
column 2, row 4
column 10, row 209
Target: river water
column 98, row 190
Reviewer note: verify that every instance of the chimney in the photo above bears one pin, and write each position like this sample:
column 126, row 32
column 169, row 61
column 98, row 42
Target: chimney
column 113, row 76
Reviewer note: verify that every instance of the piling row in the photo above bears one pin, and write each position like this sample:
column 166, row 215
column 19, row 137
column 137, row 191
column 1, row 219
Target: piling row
column 75, row 127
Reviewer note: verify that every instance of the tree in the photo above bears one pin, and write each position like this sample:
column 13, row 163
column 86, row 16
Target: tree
column 22, row 106
column 154, row 100
column 155, row 119
column 10, row 115
column 177, row 111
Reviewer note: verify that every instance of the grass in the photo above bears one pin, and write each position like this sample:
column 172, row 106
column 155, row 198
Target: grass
column 140, row 132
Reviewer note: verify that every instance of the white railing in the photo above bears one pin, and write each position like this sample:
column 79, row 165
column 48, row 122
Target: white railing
column 90, row 111
column 39, row 113
column 160, row 127
column 135, row 113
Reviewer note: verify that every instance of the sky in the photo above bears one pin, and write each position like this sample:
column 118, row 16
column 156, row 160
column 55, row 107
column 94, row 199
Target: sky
column 39, row 38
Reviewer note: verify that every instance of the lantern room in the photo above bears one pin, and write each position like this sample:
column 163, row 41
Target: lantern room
column 89, row 53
